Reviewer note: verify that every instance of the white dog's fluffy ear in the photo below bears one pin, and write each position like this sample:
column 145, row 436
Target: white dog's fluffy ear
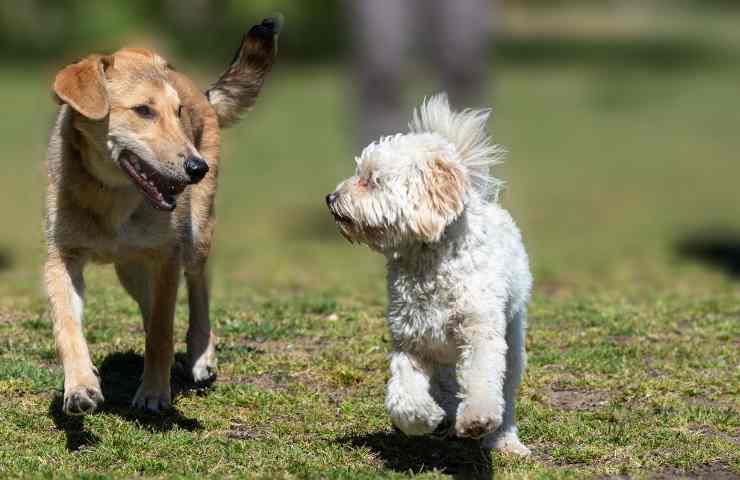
column 466, row 130
column 445, row 189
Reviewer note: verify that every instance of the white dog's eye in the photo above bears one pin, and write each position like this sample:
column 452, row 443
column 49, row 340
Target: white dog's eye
column 373, row 180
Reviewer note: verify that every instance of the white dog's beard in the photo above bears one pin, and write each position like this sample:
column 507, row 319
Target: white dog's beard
column 380, row 239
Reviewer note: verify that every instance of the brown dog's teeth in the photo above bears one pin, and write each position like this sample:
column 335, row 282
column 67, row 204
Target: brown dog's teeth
column 160, row 192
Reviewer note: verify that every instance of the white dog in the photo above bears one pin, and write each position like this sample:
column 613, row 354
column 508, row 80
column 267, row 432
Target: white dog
column 458, row 274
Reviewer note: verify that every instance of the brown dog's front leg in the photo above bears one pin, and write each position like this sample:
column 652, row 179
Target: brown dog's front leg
column 201, row 340
column 154, row 392
column 64, row 286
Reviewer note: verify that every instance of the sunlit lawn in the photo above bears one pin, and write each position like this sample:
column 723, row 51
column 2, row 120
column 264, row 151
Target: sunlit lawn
column 624, row 182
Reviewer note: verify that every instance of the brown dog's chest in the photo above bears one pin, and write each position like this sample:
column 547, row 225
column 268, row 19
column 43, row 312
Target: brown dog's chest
column 146, row 234
column 129, row 246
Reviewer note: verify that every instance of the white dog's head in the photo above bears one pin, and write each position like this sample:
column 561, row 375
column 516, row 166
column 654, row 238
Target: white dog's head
column 409, row 187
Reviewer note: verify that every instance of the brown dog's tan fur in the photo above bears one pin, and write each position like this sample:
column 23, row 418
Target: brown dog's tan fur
column 132, row 110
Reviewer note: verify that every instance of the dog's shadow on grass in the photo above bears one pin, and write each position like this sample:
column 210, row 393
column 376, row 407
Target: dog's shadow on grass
column 120, row 377
column 718, row 248
column 459, row 458
column 74, row 427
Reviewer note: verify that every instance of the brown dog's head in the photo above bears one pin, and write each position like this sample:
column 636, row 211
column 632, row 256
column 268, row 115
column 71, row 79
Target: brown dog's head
column 129, row 115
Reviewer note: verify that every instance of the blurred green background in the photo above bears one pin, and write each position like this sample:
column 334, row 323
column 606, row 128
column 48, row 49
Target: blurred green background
column 620, row 118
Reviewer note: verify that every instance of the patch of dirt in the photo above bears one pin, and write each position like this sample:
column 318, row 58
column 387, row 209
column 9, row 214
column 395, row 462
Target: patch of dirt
column 711, row 471
column 278, row 382
column 297, row 344
column 709, row 432
column 9, row 316
column 242, row 431
column 709, row 403
column 576, row 399
column 264, row 382
column 652, row 365
column 714, row 471
column 335, row 396
column 541, row 453
column 299, row 347
column 620, row 339
column 296, row 351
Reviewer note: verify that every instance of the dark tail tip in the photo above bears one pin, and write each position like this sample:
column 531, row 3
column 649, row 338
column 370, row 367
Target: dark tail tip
column 275, row 22
column 237, row 88
column 268, row 28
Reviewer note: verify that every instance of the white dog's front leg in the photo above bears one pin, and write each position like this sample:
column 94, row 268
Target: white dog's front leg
column 480, row 372
column 408, row 401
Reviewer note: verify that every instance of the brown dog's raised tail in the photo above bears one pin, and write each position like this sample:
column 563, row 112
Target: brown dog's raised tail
column 237, row 89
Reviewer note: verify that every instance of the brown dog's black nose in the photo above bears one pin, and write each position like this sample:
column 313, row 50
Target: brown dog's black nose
column 196, row 168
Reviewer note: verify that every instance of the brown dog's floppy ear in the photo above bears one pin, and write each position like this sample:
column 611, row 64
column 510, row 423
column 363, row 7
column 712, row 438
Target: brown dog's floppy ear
column 82, row 86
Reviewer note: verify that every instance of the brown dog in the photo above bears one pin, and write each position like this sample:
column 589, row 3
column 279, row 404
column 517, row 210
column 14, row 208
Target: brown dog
column 132, row 169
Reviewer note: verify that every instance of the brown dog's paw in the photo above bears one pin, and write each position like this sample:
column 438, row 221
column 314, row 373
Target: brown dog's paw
column 152, row 400
column 82, row 400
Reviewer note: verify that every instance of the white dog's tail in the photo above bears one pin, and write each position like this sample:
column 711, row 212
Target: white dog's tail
column 237, row 89
column 466, row 130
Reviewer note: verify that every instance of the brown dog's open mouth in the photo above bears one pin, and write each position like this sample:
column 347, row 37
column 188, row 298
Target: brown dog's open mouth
column 158, row 190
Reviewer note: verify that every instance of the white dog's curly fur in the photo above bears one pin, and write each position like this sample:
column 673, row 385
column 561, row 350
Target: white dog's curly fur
column 458, row 274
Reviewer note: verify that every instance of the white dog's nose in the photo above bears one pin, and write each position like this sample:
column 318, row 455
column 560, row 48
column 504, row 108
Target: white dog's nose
column 331, row 198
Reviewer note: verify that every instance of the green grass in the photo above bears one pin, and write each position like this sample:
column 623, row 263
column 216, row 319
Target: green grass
column 616, row 175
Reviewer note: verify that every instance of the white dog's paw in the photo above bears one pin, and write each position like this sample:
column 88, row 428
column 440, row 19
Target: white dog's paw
column 475, row 421
column 413, row 422
column 507, row 443
column 412, row 416
column 152, row 398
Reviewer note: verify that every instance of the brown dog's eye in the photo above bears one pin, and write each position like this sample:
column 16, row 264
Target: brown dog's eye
column 179, row 111
column 144, row 111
